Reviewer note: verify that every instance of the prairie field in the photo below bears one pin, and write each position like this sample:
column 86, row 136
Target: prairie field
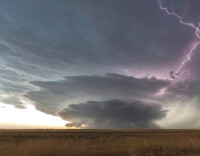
column 99, row 142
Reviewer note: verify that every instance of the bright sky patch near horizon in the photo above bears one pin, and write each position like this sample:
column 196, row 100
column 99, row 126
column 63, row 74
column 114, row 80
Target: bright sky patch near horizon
column 28, row 118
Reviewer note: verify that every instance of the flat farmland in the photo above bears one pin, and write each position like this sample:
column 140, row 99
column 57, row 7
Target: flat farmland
column 99, row 142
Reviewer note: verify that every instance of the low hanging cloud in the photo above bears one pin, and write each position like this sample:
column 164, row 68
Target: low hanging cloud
column 55, row 95
column 114, row 114
column 115, row 101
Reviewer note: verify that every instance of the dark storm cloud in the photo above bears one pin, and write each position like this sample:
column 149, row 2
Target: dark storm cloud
column 113, row 114
column 43, row 41
column 185, row 89
column 76, row 89
column 59, row 37
column 46, row 40
column 134, row 94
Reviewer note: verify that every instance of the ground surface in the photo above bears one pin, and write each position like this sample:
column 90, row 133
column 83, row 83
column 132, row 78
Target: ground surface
column 99, row 142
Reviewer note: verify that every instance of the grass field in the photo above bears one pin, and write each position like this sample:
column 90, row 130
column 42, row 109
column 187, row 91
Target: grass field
column 99, row 142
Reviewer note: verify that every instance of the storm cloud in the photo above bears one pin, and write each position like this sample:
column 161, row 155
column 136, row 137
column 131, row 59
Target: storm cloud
column 75, row 89
column 56, row 53
column 117, row 101
column 114, row 114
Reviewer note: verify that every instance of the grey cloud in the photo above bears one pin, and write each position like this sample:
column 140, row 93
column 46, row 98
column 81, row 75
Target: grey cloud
column 60, row 37
column 56, row 97
column 75, row 89
column 113, row 114
column 12, row 100
column 12, row 86
column 184, row 89
column 55, row 39
column 43, row 41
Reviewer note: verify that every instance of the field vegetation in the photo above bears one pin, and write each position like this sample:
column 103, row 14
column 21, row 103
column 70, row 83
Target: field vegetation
column 99, row 142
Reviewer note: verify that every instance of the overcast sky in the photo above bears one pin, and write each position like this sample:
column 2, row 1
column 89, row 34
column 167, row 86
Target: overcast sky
column 101, row 63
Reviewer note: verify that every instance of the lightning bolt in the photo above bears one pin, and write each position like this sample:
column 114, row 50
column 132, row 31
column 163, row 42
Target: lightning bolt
column 197, row 33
